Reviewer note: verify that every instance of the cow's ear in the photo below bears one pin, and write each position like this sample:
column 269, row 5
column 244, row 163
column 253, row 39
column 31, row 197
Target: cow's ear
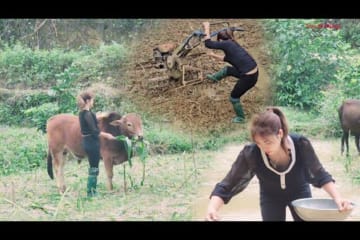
column 114, row 116
column 116, row 122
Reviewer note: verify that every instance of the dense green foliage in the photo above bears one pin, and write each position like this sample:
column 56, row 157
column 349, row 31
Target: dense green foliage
column 46, row 62
column 350, row 30
column 62, row 73
column 305, row 60
column 21, row 149
column 315, row 66
column 22, row 67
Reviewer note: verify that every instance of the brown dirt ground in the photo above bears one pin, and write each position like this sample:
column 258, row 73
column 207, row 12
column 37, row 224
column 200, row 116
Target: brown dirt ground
column 202, row 107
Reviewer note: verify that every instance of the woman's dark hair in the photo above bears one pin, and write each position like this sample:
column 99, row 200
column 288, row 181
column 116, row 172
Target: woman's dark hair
column 83, row 97
column 225, row 35
column 269, row 123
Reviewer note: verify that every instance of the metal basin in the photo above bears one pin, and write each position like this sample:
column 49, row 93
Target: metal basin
column 319, row 209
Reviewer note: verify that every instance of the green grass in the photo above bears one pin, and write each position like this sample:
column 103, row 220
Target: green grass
column 171, row 182
column 21, row 148
column 168, row 191
column 303, row 122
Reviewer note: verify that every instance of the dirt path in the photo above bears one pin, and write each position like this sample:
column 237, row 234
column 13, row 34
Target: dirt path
column 245, row 206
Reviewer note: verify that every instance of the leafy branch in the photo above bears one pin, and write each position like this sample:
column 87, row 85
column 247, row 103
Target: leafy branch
column 135, row 147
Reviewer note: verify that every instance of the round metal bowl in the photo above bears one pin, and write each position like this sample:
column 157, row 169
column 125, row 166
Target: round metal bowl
column 319, row 209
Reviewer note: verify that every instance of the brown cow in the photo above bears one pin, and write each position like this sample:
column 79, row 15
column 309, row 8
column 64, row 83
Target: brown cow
column 63, row 134
column 349, row 114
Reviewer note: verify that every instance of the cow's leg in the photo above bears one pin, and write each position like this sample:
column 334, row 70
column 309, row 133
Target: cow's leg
column 108, row 164
column 343, row 141
column 345, row 138
column 357, row 136
column 59, row 163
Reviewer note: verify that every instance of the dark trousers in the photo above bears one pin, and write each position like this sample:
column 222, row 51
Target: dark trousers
column 91, row 145
column 244, row 83
column 273, row 208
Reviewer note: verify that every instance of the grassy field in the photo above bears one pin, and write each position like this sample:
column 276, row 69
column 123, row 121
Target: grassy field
column 167, row 193
column 171, row 186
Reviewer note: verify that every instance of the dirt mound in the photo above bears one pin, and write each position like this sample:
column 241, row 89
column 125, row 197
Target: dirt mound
column 202, row 107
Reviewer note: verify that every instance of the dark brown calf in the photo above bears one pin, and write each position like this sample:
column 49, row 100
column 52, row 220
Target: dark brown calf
column 349, row 114
column 63, row 134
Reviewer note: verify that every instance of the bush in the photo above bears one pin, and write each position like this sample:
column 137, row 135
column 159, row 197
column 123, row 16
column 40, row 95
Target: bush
column 20, row 65
column 305, row 60
column 58, row 70
column 164, row 141
column 12, row 109
column 21, row 149
column 38, row 116
column 106, row 61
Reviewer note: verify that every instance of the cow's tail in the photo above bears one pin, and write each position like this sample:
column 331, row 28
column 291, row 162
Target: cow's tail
column 49, row 165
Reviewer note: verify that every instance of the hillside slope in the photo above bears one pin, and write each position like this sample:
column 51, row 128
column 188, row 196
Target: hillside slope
column 202, row 107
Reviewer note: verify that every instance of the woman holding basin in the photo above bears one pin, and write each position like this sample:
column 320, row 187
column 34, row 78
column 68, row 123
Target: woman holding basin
column 285, row 164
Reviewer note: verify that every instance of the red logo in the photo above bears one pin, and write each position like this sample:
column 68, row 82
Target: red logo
column 324, row 25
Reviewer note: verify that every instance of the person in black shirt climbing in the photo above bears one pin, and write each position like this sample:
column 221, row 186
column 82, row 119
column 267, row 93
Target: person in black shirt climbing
column 244, row 67
column 90, row 138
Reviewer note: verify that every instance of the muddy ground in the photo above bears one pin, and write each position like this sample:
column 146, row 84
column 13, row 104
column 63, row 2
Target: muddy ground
column 202, row 107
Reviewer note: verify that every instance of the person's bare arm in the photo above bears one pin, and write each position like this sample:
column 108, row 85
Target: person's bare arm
column 216, row 56
column 214, row 205
column 108, row 136
column 206, row 30
column 343, row 204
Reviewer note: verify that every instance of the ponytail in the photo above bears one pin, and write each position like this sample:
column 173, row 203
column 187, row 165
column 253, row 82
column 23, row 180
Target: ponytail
column 270, row 122
column 82, row 98
column 80, row 102
column 284, row 124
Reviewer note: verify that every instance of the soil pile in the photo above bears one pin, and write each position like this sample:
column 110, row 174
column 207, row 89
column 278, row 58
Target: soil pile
column 202, row 107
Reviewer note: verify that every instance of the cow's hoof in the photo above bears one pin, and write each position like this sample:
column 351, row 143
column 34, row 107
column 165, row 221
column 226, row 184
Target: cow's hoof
column 62, row 189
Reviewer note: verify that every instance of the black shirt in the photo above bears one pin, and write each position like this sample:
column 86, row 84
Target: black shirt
column 236, row 55
column 88, row 123
column 305, row 168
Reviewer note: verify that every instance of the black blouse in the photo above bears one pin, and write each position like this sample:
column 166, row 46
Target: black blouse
column 304, row 169
column 88, row 123
column 234, row 54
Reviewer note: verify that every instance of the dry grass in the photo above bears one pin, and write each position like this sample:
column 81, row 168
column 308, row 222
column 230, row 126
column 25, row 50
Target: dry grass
column 167, row 193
